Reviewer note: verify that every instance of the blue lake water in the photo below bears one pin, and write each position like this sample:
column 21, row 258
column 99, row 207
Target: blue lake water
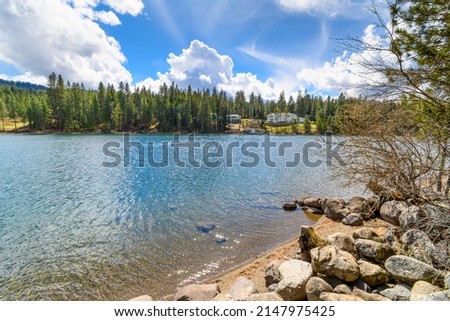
column 73, row 229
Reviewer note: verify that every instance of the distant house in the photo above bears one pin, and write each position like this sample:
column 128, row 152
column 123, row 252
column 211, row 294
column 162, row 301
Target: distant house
column 284, row 118
column 234, row 118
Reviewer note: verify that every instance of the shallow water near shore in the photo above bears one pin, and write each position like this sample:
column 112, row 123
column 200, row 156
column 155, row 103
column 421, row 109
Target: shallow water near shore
column 72, row 229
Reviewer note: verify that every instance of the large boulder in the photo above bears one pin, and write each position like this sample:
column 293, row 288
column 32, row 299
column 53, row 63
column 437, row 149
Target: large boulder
column 368, row 296
column 269, row 296
column 417, row 244
column 365, row 208
column 313, row 202
column 242, row 288
column 197, row 292
column 353, row 219
column 343, row 242
column 373, row 274
column 334, row 208
column 438, row 296
column 400, row 292
column 372, row 250
column 390, row 211
column 331, row 261
column 326, row 296
column 392, row 238
column 409, row 217
column 272, row 273
column 421, row 289
column 408, row 270
column 315, row 286
column 366, row 233
column 294, row 276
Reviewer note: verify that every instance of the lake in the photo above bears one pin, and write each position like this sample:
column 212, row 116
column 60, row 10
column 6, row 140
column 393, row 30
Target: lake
column 80, row 221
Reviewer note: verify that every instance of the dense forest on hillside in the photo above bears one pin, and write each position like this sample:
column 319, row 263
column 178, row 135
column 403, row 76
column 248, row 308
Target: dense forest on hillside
column 66, row 106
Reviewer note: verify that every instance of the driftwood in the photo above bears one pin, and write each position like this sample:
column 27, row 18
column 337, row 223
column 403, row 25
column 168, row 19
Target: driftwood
column 308, row 240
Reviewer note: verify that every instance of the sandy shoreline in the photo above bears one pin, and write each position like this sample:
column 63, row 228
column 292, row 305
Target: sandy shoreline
column 254, row 269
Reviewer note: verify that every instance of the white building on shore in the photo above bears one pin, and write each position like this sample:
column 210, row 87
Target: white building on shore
column 284, row 118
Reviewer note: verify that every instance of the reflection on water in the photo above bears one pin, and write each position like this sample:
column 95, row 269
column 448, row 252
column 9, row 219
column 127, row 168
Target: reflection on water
column 71, row 229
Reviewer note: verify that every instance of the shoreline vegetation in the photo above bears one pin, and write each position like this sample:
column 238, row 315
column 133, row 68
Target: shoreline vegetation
column 377, row 253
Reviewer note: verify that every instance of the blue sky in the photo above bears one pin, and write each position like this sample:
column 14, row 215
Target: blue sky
column 261, row 45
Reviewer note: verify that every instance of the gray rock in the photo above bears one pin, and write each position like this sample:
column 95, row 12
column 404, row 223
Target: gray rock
column 421, row 289
column 364, row 207
column 313, row 202
column 442, row 254
column 142, row 298
column 334, row 208
column 369, row 296
column 315, row 286
column 372, row 274
column 374, row 251
column 326, row 296
column 360, row 284
column 366, row 234
column 343, row 242
column 300, row 200
column 417, row 244
column 353, row 219
column 390, row 211
column 343, row 289
column 392, row 238
column 409, row 217
column 438, row 296
column 447, row 281
column 408, row 270
column 294, row 276
column 197, row 292
column 269, row 296
column 242, row 288
column 312, row 210
column 400, row 292
column 223, row 297
column 331, row 261
column 272, row 273
column 331, row 280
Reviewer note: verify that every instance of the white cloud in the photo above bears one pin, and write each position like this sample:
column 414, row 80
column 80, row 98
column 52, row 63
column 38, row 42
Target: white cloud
column 329, row 8
column 39, row 37
column 200, row 66
column 132, row 7
column 348, row 72
column 108, row 17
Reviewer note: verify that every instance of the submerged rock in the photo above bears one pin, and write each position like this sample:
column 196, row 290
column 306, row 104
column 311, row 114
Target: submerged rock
column 289, row 206
column 205, row 227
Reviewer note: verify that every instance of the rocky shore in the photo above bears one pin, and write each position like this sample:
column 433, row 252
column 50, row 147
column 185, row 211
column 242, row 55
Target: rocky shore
column 359, row 250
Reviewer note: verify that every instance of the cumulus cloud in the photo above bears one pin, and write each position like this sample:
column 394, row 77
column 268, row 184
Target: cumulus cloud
column 201, row 66
column 108, row 17
column 65, row 37
column 348, row 72
column 329, row 8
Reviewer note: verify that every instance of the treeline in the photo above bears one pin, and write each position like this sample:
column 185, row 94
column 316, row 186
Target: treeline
column 71, row 107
